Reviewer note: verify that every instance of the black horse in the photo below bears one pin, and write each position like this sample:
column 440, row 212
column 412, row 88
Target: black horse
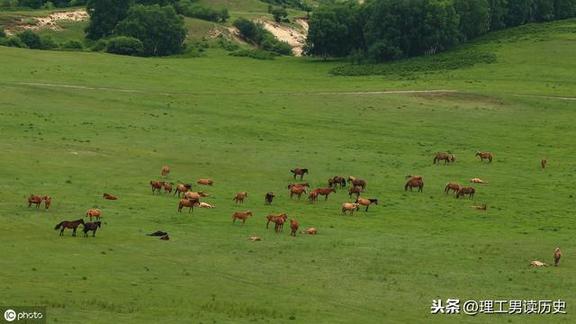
column 69, row 224
column 299, row 172
column 91, row 227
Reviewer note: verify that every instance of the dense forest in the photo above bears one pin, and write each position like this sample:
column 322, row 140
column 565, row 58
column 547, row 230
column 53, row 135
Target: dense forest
column 382, row 30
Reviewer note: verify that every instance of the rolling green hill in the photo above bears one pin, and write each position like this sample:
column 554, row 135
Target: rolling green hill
column 75, row 125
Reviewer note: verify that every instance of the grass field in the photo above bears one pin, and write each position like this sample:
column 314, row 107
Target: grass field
column 75, row 125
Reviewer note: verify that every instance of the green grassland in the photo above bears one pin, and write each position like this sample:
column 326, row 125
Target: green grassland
column 75, row 125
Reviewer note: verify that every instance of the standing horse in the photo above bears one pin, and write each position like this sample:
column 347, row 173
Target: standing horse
column 190, row 203
column 337, row 181
column 359, row 183
column 484, row 156
column 296, row 190
column 466, row 191
column 366, row 202
column 165, row 170
column 94, row 212
column 91, row 227
column 293, row 227
column 69, row 224
column 414, row 182
column 543, row 163
column 47, row 201
column 324, row 192
column 34, row 199
column 273, row 218
column 313, row 196
column 268, row 198
column 349, row 207
column 452, row 186
column 168, row 187
column 354, row 190
column 239, row 198
column 241, row 215
column 299, row 172
column 182, row 188
column 443, row 156
column 156, row 186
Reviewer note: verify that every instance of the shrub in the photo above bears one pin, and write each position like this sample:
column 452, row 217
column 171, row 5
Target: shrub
column 47, row 42
column 99, row 46
column 12, row 42
column 255, row 54
column 125, row 45
column 280, row 14
column 256, row 34
column 73, row 45
column 2, row 33
column 31, row 39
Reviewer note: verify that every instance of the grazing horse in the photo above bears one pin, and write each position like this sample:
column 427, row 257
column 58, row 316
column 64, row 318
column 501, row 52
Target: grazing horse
column 443, row 156
column 543, row 163
column 337, row 181
column 182, row 188
column 484, row 156
column 109, row 196
column 313, row 196
column 193, row 195
column 91, row 227
column 293, row 227
column 299, row 172
column 190, row 203
column 414, row 182
column 310, row 231
column 452, row 186
column 272, row 218
column 466, row 191
column 354, row 190
column 359, row 183
column 34, row 199
column 297, row 190
column 168, row 187
column 268, row 198
column 94, row 212
column 205, row 182
column 325, row 192
column 557, row 256
column 165, row 170
column 366, row 202
column 69, row 224
column 350, row 207
column 241, row 215
column 239, row 198
column 156, row 186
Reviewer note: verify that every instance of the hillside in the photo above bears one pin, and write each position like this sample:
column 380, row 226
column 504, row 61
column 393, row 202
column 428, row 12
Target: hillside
column 78, row 124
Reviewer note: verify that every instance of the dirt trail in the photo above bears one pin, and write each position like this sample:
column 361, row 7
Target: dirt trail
column 48, row 22
column 296, row 38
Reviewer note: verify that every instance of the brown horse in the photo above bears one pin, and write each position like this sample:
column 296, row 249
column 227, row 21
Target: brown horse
column 310, row 231
column 543, row 163
column 359, row 183
column 205, row 182
column 156, row 186
column 47, row 201
column 241, row 215
column 239, row 198
column 293, row 227
column 414, row 182
column 193, row 195
column 366, row 202
column 69, row 224
column 300, row 184
column 350, row 207
column 165, row 170
column 268, row 198
column 182, row 188
column 325, row 192
column 34, row 199
column 94, row 212
column 452, row 186
column 297, row 190
column 109, row 196
column 190, row 203
column 273, row 218
column 313, row 196
column 466, row 191
column 91, row 227
column 279, row 224
column 557, row 256
column 337, row 181
column 168, row 187
column 299, row 172
column 443, row 156
column 484, row 156
column 354, row 190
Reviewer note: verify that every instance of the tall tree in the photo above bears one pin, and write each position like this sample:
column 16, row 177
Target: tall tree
column 564, row 9
column 160, row 29
column 104, row 16
column 474, row 17
column 498, row 14
column 519, row 12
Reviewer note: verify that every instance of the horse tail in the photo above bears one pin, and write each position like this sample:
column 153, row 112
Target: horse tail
column 406, row 186
column 58, row 226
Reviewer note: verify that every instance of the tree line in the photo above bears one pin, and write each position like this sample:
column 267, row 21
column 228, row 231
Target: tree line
column 382, row 30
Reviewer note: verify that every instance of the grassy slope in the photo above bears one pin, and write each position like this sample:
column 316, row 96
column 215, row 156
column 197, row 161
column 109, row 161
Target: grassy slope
column 245, row 123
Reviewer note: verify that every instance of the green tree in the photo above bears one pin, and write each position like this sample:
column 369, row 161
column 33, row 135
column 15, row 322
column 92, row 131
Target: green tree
column 474, row 17
column 160, row 29
column 519, row 12
column 104, row 16
column 280, row 14
column 34, row 4
column 564, row 9
column 31, row 39
column 498, row 14
column 543, row 10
